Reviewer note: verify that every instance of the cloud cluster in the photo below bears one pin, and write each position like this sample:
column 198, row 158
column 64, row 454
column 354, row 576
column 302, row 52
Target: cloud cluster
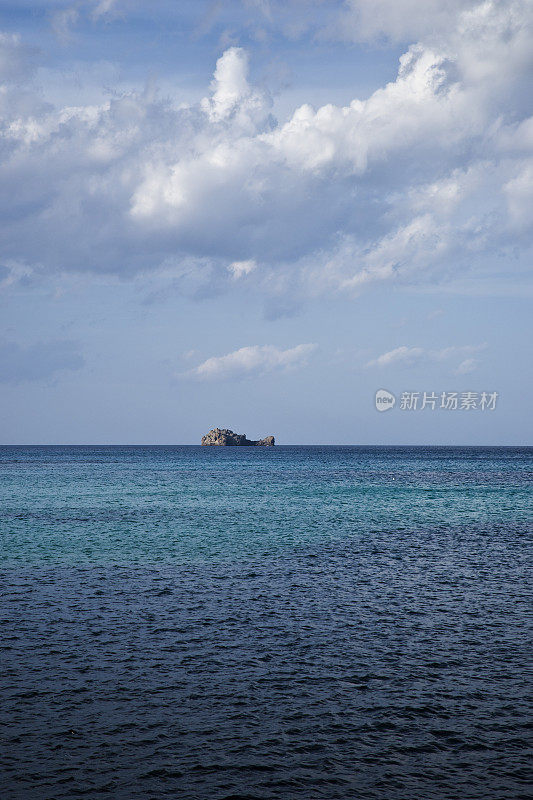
column 412, row 356
column 352, row 20
column 65, row 18
column 428, row 177
column 399, row 20
column 252, row 361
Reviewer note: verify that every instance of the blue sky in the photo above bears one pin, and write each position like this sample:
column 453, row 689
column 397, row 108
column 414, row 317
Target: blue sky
column 256, row 214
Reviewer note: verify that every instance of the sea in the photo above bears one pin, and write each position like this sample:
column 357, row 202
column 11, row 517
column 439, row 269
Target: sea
column 252, row 623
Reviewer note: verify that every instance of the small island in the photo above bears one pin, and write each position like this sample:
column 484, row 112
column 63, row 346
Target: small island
column 223, row 437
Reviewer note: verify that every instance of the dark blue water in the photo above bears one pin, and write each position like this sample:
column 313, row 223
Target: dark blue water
column 320, row 622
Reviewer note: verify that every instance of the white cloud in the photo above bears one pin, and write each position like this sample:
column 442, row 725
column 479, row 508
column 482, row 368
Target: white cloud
column 241, row 268
column 63, row 21
column 401, row 354
column 15, row 61
column 519, row 193
column 254, row 360
column 425, row 179
column 358, row 20
column 409, row 356
column 232, row 95
column 399, row 20
column 467, row 366
column 103, row 8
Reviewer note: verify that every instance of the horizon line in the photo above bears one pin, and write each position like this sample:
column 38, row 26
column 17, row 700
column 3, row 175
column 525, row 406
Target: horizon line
column 245, row 447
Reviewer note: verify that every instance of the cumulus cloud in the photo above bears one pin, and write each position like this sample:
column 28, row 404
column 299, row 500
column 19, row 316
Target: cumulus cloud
column 232, row 96
column 409, row 356
column 254, row 360
column 428, row 177
column 37, row 362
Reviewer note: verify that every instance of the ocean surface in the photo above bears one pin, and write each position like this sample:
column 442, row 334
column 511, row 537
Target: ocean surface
column 287, row 622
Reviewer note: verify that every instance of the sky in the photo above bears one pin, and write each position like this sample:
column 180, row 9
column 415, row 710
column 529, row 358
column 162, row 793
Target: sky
column 256, row 214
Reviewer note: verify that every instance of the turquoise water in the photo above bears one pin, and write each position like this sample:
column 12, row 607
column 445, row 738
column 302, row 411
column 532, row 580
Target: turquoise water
column 288, row 622
column 167, row 504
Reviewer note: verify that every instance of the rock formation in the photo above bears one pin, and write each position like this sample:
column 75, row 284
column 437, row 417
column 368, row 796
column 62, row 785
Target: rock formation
column 226, row 438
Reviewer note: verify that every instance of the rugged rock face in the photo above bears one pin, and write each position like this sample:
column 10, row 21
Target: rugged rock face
column 226, row 438
column 268, row 441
